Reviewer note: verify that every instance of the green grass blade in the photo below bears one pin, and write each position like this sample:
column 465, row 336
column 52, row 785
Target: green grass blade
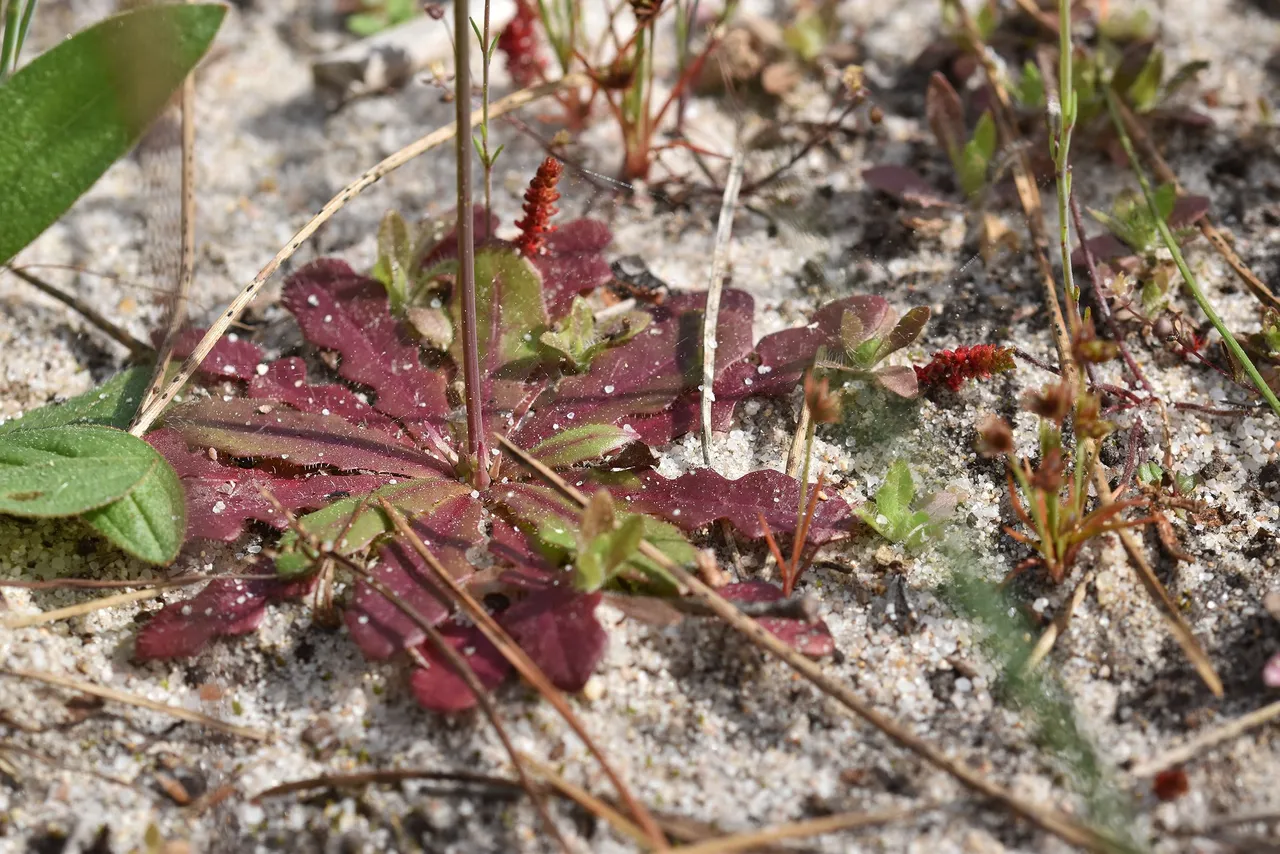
column 73, row 111
column 1230, row 340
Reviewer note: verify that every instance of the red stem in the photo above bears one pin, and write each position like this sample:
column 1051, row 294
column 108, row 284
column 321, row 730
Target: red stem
column 467, row 248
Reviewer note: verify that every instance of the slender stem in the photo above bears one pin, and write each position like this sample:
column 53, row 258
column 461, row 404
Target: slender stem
column 804, row 469
column 467, row 250
column 1172, row 245
column 1066, row 122
column 486, row 159
column 136, row 347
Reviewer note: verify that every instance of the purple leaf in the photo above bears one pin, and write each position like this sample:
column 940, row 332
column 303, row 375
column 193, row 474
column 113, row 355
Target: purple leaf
column 559, row 631
column 229, row 359
column 249, row 428
column 1104, row 247
column 905, row 185
column 286, row 381
column 222, row 499
column 527, row 569
column 380, row 628
column 1187, row 210
column 810, row 638
column 225, row 607
column 438, row 688
column 945, row 114
column 343, row 311
column 573, row 263
column 697, row 498
column 899, row 379
column 650, row 381
column 447, row 248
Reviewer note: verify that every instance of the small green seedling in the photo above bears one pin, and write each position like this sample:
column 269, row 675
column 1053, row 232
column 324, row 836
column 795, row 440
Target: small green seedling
column 970, row 156
column 898, row 517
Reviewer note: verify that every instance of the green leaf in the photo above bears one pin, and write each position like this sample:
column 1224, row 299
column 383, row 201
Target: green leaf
column 1030, row 90
column 1166, row 195
column 577, row 339
column 112, row 404
column 75, row 110
column 1185, row 75
column 511, row 315
column 1144, row 92
column 395, row 259
column 411, row 497
column 580, row 445
column 1150, row 472
column 65, row 471
column 365, row 24
column 150, row 522
column 892, row 517
column 984, row 135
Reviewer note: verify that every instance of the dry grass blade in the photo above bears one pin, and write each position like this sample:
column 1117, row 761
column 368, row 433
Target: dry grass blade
column 1029, row 196
column 177, row 309
column 515, row 100
column 1201, row 743
column 1059, row 625
column 27, row 620
column 751, row 840
column 134, row 700
column 589, row 802
column 136, row 348
column 1166, row 175
column 711, row 318
column 385, row 776
column 1046, row 819
column 14, row 749
column 527, row 669
column 1168, row 608
column 452, row 657
column 106, row 584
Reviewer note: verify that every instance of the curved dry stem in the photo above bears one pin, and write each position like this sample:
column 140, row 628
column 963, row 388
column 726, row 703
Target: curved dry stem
column 146, row 417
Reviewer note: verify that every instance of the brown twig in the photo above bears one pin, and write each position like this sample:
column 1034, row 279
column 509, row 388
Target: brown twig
column 1047, row 819
column 385, row 776
column 437, row 137
column 525, row 666
column 133, row 700
column 1059, row 625
column 752, row 839
column 1206, row 226
column 1205, row 741
column 138, row 349
column 40, row 618
column 99, row 584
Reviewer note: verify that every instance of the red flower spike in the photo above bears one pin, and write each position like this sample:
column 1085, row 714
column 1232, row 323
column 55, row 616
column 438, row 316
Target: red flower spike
column 519, row 44
column 539, row 207
column 953, row 367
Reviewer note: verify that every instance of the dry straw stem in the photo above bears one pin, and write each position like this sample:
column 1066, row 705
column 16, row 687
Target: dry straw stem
column 1207, row 228
column 386, row 776
column 527, row 669
column 134, row 700
column 437, row 137
column 1029, row 196
column 1058, row 627
column 1047, row 819
column 456, row 662
column 42, row 617
column 1168, row 608
column 187, row 258
column 138, row 349
column 589, row 802
column 1208, row 740
column 719, row 265
column 751, row 840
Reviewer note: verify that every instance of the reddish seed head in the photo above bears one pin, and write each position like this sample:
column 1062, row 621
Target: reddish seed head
column 953, row 367
column 1171, row 784
column 539, row 207
column 519, row 44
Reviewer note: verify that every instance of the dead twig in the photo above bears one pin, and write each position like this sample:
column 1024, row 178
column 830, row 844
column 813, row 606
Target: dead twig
column 1047, row 819
column 1059, row 625
column 525, row 666
column 751, row 840
column 1205, row 741
column 42, row 617
column 385, row 776
column 437, row 137
column 711, row 317
column 138, row 349
column 134, row 700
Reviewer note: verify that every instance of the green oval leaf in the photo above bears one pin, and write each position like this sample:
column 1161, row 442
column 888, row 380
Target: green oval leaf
column 112, row 404
column 581, row 445
column 76, row 109
column 65, row 471
column 150, row 522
